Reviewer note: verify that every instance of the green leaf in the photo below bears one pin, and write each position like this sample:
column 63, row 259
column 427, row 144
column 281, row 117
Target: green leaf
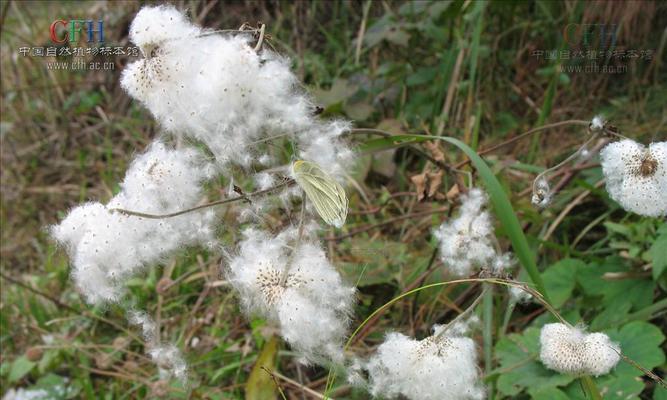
column 560, row 279
column 658, row 254
column 56, row 387
column 616, row 294
column 550, row 393
column 660, row 393
column 640, row 341
column 260, row 385
column 613, row 387
column 520, row 368
column 20, row 368
column 340, row 91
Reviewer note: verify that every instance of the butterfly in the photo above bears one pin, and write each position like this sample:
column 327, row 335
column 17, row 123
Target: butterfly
column 327, row 195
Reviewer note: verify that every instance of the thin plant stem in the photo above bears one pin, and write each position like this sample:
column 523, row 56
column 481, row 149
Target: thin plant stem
column 572, row 156
column 258, row 46
column 331, row 376
column 207, row 205
column 464, row 314
column 299, row 235
column 487, row 333
column 499, row 145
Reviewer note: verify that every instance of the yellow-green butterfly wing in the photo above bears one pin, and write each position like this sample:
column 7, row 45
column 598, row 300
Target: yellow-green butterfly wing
column 323, row 191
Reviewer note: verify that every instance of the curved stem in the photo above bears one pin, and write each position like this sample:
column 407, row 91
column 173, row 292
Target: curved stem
column 207, row 205
column 568, row 159
column 258, row 46
column 299, row 235
column 462, row 315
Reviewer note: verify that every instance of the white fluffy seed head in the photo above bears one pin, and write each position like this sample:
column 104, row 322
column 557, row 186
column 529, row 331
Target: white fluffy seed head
column 466, row 241
column 217, row 89
column 575, row 352
column 597, row 123
column 636, row 176
column 518, row 295
column 309, row 301
column 167, row 357
column 153, row 26
column 430, row 369
column 542, row 194
column 106, row 248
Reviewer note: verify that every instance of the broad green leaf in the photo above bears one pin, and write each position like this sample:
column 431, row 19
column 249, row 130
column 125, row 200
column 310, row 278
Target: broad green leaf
column 375, row 261
column 520, row 368
column 340, row 91
column 615, row 294
column 640, row 341
column 20, row 368
column 658, row 254
column 560, row 280
column 660, row 393
column 550, row 393
column 612, row 387
column 260, row 385
column 56, row 387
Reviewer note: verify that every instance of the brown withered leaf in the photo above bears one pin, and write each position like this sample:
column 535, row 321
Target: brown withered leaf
column 453, row 192
column 434, row 149
column 427, row 184
column 420, row 185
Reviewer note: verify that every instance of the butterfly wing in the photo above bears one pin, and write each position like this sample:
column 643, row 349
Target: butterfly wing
column 327, row 195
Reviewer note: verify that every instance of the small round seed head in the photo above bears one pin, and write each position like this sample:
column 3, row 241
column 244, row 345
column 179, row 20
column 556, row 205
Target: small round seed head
column 636, row 176
column 542, row 194
column 575, row 352
column 597, row 124
column 270, row 283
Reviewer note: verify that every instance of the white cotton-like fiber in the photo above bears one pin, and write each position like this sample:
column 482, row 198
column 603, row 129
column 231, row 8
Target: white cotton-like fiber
column 310, row 303
column 167, row 357
column 542, row 195
column 443, row 368
column 597, row 123
column 636, row 176
column 218, row 89
column 570, row 350
column 466, row 242
column 106, row 248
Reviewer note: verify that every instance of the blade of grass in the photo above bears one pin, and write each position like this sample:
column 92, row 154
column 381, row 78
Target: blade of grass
column 545, row 111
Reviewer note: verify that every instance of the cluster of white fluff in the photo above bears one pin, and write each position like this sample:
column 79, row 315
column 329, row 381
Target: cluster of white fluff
column 27, row 394
column 219, row 90
column 295, row 287
column 167, row 357
column 597, row 123
column 570, row 350
column 466, row 242
column 518, row 295
column 106, row 248
column 440, row 367
column 637, row 176
column 542, row 195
